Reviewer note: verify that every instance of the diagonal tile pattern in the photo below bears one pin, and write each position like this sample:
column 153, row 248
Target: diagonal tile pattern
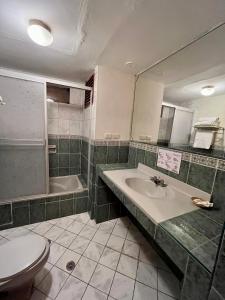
column 112, row 261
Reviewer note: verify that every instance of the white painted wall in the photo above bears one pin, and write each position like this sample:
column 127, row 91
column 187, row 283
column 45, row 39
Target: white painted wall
column 113, row 103
column 147, row 108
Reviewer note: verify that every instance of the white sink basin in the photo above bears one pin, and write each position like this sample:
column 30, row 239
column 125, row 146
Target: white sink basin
column 146, row 187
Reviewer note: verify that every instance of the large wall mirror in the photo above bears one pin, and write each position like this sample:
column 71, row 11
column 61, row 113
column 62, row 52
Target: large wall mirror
column 180, row 102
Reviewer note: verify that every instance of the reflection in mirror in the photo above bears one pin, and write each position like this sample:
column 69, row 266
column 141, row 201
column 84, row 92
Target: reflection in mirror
column 180, row 102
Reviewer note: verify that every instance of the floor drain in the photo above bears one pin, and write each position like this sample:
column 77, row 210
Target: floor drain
column 70, row 265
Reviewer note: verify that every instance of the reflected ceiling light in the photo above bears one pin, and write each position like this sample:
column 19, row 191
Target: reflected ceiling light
column 208, row 90
column 40, row 33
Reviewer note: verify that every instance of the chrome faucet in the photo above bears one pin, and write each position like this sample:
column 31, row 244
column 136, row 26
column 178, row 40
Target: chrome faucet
column 158, row 181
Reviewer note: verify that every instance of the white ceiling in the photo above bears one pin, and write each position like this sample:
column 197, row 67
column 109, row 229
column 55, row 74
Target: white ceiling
column 110, row 32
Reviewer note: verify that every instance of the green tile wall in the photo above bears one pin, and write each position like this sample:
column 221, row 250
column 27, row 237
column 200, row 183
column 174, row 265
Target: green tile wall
column 67, row 159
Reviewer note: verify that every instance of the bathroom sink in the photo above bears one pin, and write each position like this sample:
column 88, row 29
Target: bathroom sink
column 146, row 187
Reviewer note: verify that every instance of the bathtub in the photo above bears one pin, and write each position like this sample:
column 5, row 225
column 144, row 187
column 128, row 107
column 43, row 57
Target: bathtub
column 63, row 184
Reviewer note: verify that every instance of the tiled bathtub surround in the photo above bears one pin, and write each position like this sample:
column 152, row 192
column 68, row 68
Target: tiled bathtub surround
column 25, row 212
column 202, row 172
column 102, row 200
column 67, row 159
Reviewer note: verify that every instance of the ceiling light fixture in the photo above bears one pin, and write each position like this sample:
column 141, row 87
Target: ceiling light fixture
column 208, row 90
column 40, row 33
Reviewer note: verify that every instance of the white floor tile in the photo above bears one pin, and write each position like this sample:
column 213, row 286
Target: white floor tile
column 120, row 231
column 122, row 287
column 127, row 266
column 102, row 278
column 68, row 256
column 73, row 289
column 53, row 282
column 147, row 274
column 131, row 249
column 168, row 283
column 88, row 232
column 134, row 235
column 101, row 237
column 143, row 292
column 115, row 242
column 92, row 223
column 124, row 221
column 56, row 251
column 3, row 241
column 94, row 251
column 66, row 238
column 110, row 258
column 93, row 294
column 37, row 295
column 42, row 273
column 42, row 228
column 83, row 218
column 6, row 232
column 53, row 233
column 64, row 222
column 84, row 269
column 79, row 245
column 75, row 227
column 107, row 226
column 18, row 233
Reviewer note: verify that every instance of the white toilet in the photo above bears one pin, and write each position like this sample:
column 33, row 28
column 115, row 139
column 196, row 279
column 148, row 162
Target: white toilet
column 20, row 260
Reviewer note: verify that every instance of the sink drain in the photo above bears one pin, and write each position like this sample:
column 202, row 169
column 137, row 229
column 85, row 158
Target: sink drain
column 70, row 265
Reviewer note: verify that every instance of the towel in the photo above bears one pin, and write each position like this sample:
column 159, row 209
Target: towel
column 203, row 139
column 207, row 121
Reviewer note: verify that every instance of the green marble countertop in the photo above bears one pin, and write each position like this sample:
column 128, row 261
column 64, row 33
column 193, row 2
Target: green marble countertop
column 195, row 231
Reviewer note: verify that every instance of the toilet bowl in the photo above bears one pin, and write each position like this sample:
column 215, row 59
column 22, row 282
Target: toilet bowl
column 20, row 260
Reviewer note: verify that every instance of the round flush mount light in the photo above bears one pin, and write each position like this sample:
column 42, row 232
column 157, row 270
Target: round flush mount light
column 208, row 90
column 40, row 33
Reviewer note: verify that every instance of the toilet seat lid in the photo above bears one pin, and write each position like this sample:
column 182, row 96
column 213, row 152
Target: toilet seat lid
column 20, row 254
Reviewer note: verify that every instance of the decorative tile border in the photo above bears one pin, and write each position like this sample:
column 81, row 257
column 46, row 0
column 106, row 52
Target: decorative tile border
column 110, row 142
column 186, row 156
column 204, row 160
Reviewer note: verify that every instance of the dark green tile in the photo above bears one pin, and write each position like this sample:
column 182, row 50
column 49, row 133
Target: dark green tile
column 102, row 213
column 21, row 216
column 53, row 160
column 184, row 233
column 20, row 204
column 140, row 157
column 80, row 205
column 196, row 283
column 100, row 155
column 202, row 224
column 147, row 224
column 114, row 210
column 66, row 207
column 206, row 255
column 172, row 248
column 64, row 171
column 74, row 171
column 81, row 194
column 64, row 160
column 64, row 145
column 214, row 295
column 201, row 177
column 132, row 156
column 219, row 275
column 53, row 172
column 113, row 154
column 75, row 161
column 75, row 146
column 123, row 154
column 5, row 214
column 67, row 196
column 52, row 199
column 150, row 159
column 103, row 195
column 54, row 142
column 37, row 213
column 182, row 176
column 52, row 210
column 130, row 206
